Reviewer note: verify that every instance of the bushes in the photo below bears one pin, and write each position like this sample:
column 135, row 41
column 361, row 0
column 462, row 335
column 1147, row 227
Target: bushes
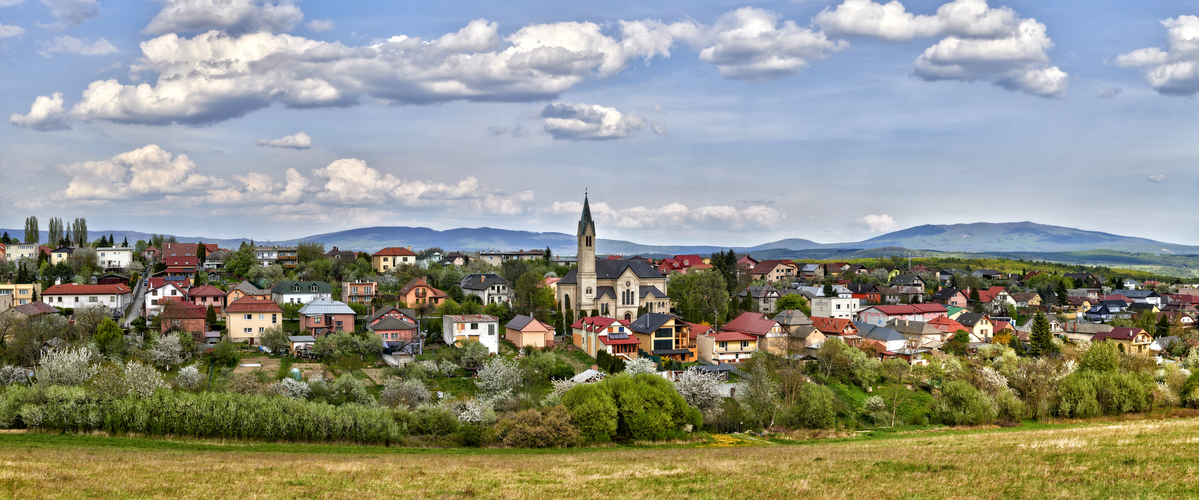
column 1101, row 357
column 1076, row 397
column 1088, row 393
column 961, row 404
column 815, row 408
column 642, row 407
column 432, row 421
column 551, row 428
column 594, row 411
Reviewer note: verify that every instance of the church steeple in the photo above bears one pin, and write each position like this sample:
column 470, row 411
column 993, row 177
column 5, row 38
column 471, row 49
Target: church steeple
column 585, row 221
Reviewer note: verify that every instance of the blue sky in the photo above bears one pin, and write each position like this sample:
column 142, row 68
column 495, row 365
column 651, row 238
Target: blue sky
column 720, row 123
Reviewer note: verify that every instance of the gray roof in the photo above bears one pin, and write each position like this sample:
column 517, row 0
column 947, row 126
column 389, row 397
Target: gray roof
column 611, row 269
column 305, row 287
column 520, row 321
column 587, row 376
column 907, row 279
column 649, row 322
column 758, row 292
column 325, row 305
column 792, row 317
column 912, row 327
column 652, row 291
column 249, row 289
column 601, row 291
column 1136, row 294
column 880, row 333
column 945, row 293
column 411, row 313
column 970, row 319
column 390, row 323
column 301, row 338
column 481, row 281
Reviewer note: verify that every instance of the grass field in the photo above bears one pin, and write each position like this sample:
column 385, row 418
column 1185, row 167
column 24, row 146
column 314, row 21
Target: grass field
column 1134, row 459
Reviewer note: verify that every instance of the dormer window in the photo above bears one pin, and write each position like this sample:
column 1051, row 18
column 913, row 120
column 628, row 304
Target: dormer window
column 313, row 287
column 295, row 288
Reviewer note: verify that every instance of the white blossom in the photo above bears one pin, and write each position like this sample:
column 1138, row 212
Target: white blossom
column 499, row 378
column 640, row 365
column 67, row 366
column 189, row 378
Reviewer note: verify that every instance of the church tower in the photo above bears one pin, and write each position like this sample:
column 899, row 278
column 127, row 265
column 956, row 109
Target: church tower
column 586, row 276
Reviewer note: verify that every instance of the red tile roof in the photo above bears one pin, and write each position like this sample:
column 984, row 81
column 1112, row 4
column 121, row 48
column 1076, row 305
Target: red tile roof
column 751, row 323
column 416, row 283
column 1121, row 333
column 185, row 310
column 831, row 326
column 252, row 305
column 764, row 267
column 205, row 291
column 156, row 283
column 627, row 341
column 945, row 324
column 699, row 327
column 74, row 289
column 899, row 310
column 394, row 252
column 986, row 296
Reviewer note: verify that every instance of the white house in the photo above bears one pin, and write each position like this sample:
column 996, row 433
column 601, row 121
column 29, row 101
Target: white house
column 480, row 327
column 266, row 255
column 491, row 288
column 160, row 291
column 71, row 295
column 15, row 251
column 835, row 307
column 300, row 292
column 114, row 258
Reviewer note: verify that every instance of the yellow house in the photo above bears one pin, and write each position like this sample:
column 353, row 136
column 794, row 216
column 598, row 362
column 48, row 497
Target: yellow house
column 60, row 254
column 247, row 319
column 21, row 294
column 978, row 324
column 1130, row 340
column 726, row 347
column 392, row 257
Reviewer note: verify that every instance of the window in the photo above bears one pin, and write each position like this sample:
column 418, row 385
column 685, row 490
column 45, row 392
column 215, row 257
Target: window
column 248, row 330
column 724, row 345
column 317, row 320
column 745, row 344
column 313, row 287
column 295, row 288
column 274, row 318
column 91, row 299
column 261, row 316
column 474, row 326
column 249, row 317
column 261, row 329
column 112, row 298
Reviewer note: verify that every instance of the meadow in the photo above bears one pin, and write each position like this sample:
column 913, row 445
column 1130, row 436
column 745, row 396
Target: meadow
column 1122, row 459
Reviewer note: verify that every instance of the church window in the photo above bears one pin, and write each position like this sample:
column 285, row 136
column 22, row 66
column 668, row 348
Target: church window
column 588, row 291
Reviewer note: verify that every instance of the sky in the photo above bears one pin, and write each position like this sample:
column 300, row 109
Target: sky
column 686, row 122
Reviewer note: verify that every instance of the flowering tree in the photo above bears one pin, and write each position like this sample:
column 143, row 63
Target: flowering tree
column 701, row 390
column 554, row 398
column 12, row 375
column 67, row 366
column 294, row 389
column 640, row 365
column 167, row 351
column 189, row 378
column 499, row 378
column 142, row 380
column 409, row 393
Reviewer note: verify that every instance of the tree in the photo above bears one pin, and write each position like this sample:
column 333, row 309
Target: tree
column 167, row 351
column 896, row 372
column 641, row 365
column 54, row 231
column 275, row 339
column 32, row 234
column 548, row 255
column 68, row 366
column 759, row 395
column 697, row 295
column 957, row 345
column 701, row 390
column 1163, row 327
column 201, row 253
column 210, row 318
column 109, row 337
column 309, row 251
column 1062, row 294
column 976, row 300
column 6, row 239
column 828, row 289
column 724, row 263
column 793, row 301
column 1040, row 341
column 499, row 378
column 79, row 232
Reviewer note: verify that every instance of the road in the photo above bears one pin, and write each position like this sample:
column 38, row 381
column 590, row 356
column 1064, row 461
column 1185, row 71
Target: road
column 139, row 295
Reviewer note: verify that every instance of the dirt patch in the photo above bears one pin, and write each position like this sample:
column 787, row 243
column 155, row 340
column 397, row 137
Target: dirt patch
column 309, row 370
column 269, row 365
column 378, row 375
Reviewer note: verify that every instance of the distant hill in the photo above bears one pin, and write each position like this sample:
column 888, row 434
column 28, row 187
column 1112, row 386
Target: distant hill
column 1015, row 237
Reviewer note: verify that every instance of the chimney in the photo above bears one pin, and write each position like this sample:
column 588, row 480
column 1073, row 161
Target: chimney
column 595, row 367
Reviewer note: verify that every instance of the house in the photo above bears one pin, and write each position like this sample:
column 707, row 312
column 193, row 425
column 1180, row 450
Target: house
column 950, row 297
column 835, row 307
column 946, row 325
column 342, row 255
column 163, row 290
column 1024, row 300
column 21, row 293
column 987, row 274
column 288, row 257
column 71, row 295
column 151, row 254
column 207, row 295
column 1084, row 331
column 184, row 317
column 408, row 315
column 113, row 279
column 496, row 258
column 398, row 334
column 1078, row 305
column 597, row 333
column 1131, row 284
column 359, row 292
column 322, row 316
column 918, row 333
column 811, row 272
column 417, row 292
column 181, row 266
column 456, row 258
column 60, row 254
column 529, row 331
column 745, row 263
column 247, row 319
column 890, row 339
column 17, row 251
column 774, row 270
column 1142, row 296
column 246, row 289
column 1162, row 344
column 763, row 296
column 1055, row 325
column 757, row 324
column 979, row 325
column 837, row 327
column 483, row 328
column 792, row 319
column 300, row 344
column 29, row 310
column 392, row 257
column 663, row 335
column 908, row 280
column 114, row 258
column 880, row 315
column 726, row 347
column 682, row 264
column 865, row 293
column 490, row 288
column 266, row 256
column 1130, row 340
column 300, row 292
column 996, row 300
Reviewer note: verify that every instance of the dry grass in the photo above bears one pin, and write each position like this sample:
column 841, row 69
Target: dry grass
column 1142, row 459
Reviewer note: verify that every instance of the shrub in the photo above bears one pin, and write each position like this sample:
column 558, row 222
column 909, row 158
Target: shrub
column 291, row 388
column 648, row 407
column 594, row 411
column 1009, row 407
column 142, row 380
column 68, row 366
column 1076, row 397
column 10, row 375
column 189, row 378
column 550, row 428
column 1100, row 357
column 406, row 393
column 347, row 389
column 167, row 351
column 814, row 409
column 961, row 404
column 499, row 378
column 1121, row 392
column 640, row 365
column 701, row 390
column 433, row 421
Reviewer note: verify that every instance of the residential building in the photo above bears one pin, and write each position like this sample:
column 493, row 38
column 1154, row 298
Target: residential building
column 456, row 258
column 207, row 295
column 288, row 257
column 392, row 257
column 181, row 266
column 359, row 292
column 866, row 294
column 266, row 256
column 615, row 288
column 683, row 263
column 763, row 297
column 26, row 311
column 71, row 295
column 919, row 334
column 835, row 307
column 246, row 289
column 597, row 333
column 408, row 315
column 663, row 335
column 342, row 255
column 16, row 251
column 322, row 316
column 774, row 270
column 950, row 297
column 114, row 258
column 792, row 319
column 248, row 318
column 417, row 293
column 184, row 317
column 60, row 254
column 1143, row 296
column 1130, row 340
column 996, row 300
column 497, row 258
column 891, row 340
column 1084, row 331
column 880, row 315
column 21, row 294
column 529, row 331
column 398, row 334
column 726, row 347
column 490, row 288
column 947, row 326
column 161, row 291
column 300, row 292
column 810, row 271
column 483, row 328
column 1024, row 300
column 978, row 324
column 185, row 249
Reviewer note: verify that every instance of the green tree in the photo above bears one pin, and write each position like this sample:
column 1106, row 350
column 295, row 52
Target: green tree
column 201, row 253
column 32, row 234
column 976, row 300
column 698, row 294
column 1100, row 357
column 54, row 231
column 275, row 339
column 1163, row 327
column 309, row 251
column 724, row 263
column 1063, row 296
column 828, row 289
column 958, row 344
column 211, row 317
column 79, row 232
column 1040, row 341
column 109, row 337
column 793, row 301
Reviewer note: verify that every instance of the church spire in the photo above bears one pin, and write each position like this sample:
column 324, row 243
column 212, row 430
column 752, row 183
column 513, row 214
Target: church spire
column 585, row 220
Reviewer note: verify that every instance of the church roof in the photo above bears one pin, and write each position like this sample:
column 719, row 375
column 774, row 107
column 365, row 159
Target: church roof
column 611, row 269
column 585, row 220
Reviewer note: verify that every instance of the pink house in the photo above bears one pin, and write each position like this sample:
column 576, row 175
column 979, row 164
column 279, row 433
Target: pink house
column 880, row 315
column 322, row 316
column 528, row 331
column 207, row 295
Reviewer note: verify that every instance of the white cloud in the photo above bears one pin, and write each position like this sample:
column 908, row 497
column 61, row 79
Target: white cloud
column 749, row 44
column 233, row 16
column 46, row 114
column 295, row 141
column 1108, row 92
column 980, row 43
column 588, row 122
column 1157, row 178
column 146, row 171
column 73, row 45
column 1175, row 70
column 878, row 223
column 72, row 11
column 676, row 216
column 7, row 31
column 658, row 128
column 10, row 3
column 319, row 25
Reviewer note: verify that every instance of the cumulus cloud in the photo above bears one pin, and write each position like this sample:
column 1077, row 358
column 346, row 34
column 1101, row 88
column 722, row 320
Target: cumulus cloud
column 749, row 44
column 980, row 43
column 588, row 122
column 46, row 114
column 72, row 11
column 232, row 16
column 1175, row 70
column 677, row 216
column 319, row 25
column 295, row 141
column 146, row 171
column 1157, row 178
column 10, row 31
column 878, row 223
column 73, row 45
column 1108, row 93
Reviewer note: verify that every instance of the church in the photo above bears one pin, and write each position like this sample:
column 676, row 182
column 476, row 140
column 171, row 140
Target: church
column 614, row 287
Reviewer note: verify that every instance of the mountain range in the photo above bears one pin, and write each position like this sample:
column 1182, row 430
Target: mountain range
column 982, row 237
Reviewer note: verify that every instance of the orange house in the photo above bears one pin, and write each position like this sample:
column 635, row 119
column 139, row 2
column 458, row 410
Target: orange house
column 528, row 331
column 419, row 292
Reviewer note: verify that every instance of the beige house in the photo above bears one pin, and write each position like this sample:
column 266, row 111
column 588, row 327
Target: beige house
column 979, row 325
column 247, row 319
column 726, row 347
column 21, row 294
column 392, row 257
column 528, row 331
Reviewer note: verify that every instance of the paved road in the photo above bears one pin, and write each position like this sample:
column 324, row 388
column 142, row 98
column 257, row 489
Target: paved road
column 139, row 294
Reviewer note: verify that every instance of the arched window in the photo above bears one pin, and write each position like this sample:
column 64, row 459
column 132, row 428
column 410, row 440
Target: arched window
column 588, row 292
column 628, row 317
column 295, row 288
